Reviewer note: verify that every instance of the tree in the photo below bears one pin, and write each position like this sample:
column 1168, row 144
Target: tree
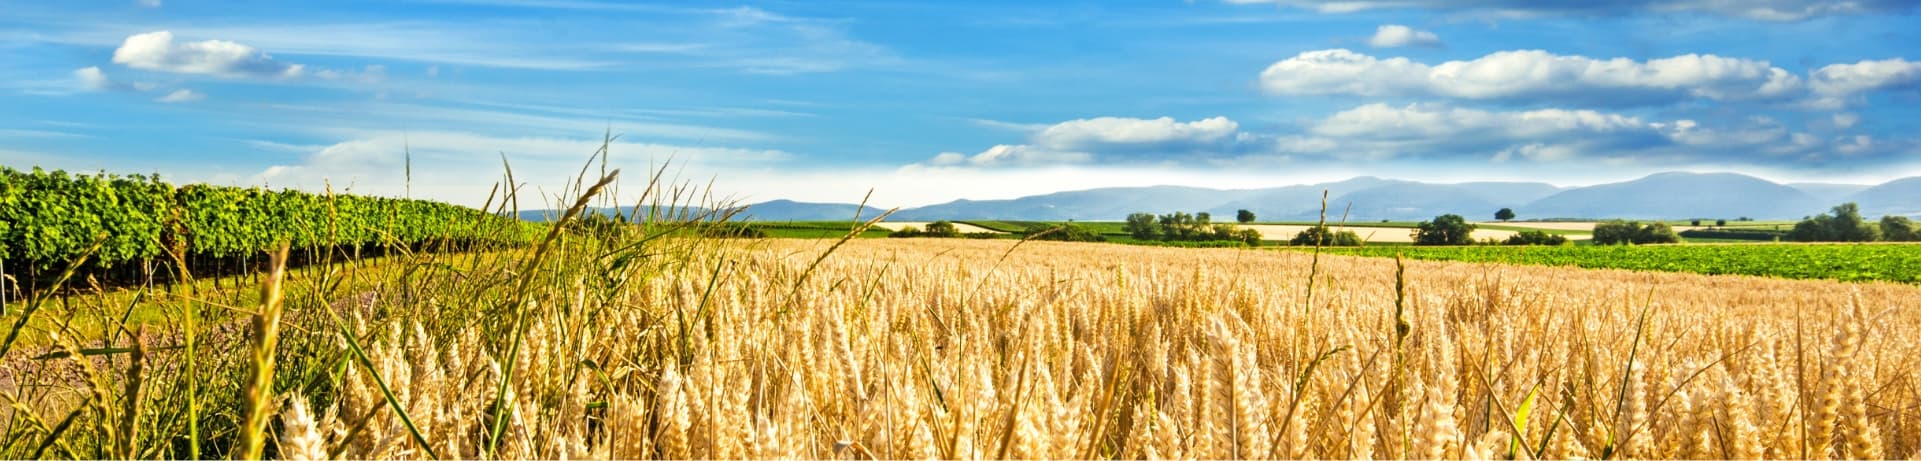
column 1244, row 216
column 1505, row 214
column 1844, row 225
column 1720, row 223
column 1203, row 219
column 1319, row 235
column 1898, row 229
column 1142, row 226
column 942, row 229
column 1695, row 223
column 1447, row 229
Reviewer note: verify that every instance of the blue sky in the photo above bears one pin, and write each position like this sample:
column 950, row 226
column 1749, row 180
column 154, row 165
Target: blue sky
column 927, row 102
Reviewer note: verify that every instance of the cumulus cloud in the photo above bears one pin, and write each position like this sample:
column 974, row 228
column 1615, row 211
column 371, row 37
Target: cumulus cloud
column 182, row 95
column 1093, row 132
column 1534, row 75
column 1421, row 132
column 92, row 78
column 158, row 51
column 1376, row 131
column 1763, row 10
column 1396, row 35
column 1837, row 85
column 1118, row 139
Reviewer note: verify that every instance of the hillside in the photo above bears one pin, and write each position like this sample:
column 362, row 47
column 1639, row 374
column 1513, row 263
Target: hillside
column 1678, row 196
column 1901, row 196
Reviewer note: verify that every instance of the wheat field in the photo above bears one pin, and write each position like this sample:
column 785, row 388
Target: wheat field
column 932, row 348
column 968, row 349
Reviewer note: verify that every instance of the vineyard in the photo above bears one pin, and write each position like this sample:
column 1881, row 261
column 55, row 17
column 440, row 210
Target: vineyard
column 1847, row 262
column 48, row 219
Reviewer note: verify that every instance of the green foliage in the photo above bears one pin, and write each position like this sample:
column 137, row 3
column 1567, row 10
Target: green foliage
column 1243, row 216
column 50, row 217
column 1536, row 237
column 1758, row 235
column 1447, row 229
column 1618, row 232
column 942, row 229
column 1067, row 232
column 1845, row 225
column 1320, row 235
column 1504, row 214
column 1898, row 229
column 1898, row 263
column 1142, row 226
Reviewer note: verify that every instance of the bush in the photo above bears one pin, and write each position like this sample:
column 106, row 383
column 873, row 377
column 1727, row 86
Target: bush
column 1618, row 232
column 733, row 230
column 1536, row 237
column 1447, row 229
column 1759, row 235
column 1318, row 235
column 1069, row 232
column 906, row 232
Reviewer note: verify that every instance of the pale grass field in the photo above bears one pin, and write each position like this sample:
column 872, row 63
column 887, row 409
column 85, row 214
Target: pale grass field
column 976, row 349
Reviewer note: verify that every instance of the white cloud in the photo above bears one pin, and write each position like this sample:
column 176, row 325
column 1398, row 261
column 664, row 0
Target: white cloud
column 1396, row 35
column 1533, row 75
column 1084, row 133
column 1763, row 10
column 1845, row 120
column 1837, row 85
column 182, row 95
column 1111, row 139
column 460, row 166
column 92, row 78
column 158, row 51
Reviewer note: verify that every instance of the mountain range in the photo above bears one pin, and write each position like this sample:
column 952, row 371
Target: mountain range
column 1659, row 196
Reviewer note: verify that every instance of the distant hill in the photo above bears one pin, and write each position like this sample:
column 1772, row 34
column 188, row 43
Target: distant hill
column 1105, row 204
column 1678, row 196
column 789, row 210
column 1828, row 192
column 1657, row 196
column 1900, row 196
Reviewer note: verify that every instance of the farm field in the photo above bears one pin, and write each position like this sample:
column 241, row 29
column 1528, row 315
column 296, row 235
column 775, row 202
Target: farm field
column 1848, row 262
column 960, row 348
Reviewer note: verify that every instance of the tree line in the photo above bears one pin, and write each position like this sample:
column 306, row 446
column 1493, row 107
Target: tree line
column 1180, row 226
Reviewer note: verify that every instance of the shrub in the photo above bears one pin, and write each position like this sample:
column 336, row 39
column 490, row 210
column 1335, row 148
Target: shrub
column 1536, row 237
column 1243, row 216
column 1320, row 235
column 906, row 232
column 1618, row 232
column 1069, row 232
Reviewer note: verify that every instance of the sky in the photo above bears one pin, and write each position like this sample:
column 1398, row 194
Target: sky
column 927, row 102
